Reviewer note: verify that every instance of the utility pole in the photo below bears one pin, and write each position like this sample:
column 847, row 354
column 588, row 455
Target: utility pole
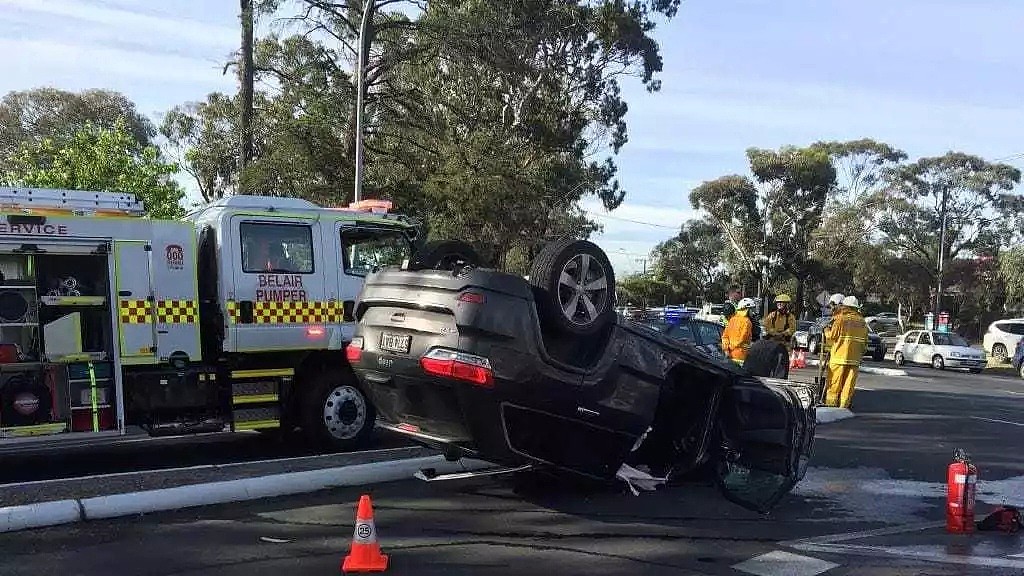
column 942, row 251
column 246, row 77
column 361, row 94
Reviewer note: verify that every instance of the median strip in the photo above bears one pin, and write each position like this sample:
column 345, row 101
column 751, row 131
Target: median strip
column 870, row 369
column 71, row 510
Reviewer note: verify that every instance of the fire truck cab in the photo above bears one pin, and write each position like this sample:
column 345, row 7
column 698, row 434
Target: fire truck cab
column 233, row 319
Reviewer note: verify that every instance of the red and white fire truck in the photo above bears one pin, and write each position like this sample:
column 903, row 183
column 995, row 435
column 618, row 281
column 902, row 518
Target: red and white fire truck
column 234, row 318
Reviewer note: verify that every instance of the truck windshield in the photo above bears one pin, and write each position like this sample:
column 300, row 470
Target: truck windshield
column 367, row 249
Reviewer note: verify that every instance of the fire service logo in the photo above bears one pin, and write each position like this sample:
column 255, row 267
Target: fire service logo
column 175, row 257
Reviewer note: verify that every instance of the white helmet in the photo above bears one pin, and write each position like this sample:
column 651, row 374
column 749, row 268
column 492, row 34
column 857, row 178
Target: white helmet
column 851, row 302
column 836, row 299
column 745, row 303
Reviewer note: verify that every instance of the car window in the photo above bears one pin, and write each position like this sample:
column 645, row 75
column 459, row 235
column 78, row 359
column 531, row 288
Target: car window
column 1013, row 328
column 709, row 333
column 681, row 331
column 911, row 338
column 277, row 248
column 367, row 249
column 926, row 338
column 942, row 339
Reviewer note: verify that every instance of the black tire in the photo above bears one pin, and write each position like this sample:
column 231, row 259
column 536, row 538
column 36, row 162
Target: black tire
column 975, row 370
column 354, row 415
column 999, row 353
column 938, row 362
column 899, row 359
column 444, row 255
column 812, row 346
column 26, row 401
column 574, row 257
column 767, row 358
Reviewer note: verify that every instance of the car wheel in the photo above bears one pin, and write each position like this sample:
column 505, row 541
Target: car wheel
column 1021, row 370
column 336, row 414
column 444, row 255
column 999, row 353
column 812, row 346
column 898, row 357
column 937, row 362
column 574, row 286
column 768, row 359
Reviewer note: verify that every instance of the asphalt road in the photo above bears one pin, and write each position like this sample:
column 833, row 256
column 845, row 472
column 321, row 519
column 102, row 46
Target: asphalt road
column 157, row 454
column 883, row 469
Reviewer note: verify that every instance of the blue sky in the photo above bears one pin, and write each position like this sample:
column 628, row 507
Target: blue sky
column 924, row 75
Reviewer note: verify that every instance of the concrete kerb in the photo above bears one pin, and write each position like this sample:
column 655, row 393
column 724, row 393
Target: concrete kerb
column 42, row 514
column 872, row 369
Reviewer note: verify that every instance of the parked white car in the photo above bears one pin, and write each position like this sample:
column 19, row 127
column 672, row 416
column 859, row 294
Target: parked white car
column 1002, row 336
column 939, row 349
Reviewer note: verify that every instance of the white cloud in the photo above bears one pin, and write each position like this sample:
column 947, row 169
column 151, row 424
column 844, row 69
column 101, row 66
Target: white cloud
column 158, row 30
column 632, row 230
column 730, row 113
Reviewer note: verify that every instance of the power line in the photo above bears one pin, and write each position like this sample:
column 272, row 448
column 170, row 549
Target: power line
column 621, row 219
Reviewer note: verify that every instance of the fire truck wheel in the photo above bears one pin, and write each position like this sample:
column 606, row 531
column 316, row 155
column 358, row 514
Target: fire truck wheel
column 336, row 413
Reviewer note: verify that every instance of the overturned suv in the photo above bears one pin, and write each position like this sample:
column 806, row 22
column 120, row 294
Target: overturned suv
column 542, row 373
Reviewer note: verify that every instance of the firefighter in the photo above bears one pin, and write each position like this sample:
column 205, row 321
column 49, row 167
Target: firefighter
column 848, row 337
column 780, row 324
column 738, row 332
column 729, row 308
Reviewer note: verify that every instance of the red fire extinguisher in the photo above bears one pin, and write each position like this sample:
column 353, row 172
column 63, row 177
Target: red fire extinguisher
column 961, row 482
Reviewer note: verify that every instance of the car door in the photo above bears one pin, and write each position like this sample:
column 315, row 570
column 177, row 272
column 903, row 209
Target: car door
column 909, row 346
column 924, row 350
column 765, row 431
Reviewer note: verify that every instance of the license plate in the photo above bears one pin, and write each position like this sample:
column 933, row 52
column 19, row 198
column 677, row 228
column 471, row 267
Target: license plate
column 395, row 343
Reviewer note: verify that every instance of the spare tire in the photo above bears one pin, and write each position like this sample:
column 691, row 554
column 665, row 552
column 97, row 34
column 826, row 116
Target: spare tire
column 574, row 286
column 444, row 255
column 767, row 358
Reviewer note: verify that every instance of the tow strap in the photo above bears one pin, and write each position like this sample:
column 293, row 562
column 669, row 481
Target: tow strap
column 95, row 401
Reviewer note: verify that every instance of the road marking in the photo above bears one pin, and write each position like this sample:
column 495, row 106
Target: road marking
column 998, row 421
column 1012, row 392
column 841, row 544
column 779, row 563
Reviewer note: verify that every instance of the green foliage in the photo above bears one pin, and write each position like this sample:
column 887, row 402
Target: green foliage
column 1011, row 271
column 769, row 221
column 647, row 291
column 973, row 191
column 692, row 261
column 102, row 159
column 29, row 117
column 486, row 119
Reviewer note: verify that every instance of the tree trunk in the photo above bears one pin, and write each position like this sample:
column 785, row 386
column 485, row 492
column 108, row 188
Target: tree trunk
column 247, row 80
column 801, row 289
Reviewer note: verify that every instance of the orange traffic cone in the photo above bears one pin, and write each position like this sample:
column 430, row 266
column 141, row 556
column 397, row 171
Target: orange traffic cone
column 801, row 359
column 365, row 554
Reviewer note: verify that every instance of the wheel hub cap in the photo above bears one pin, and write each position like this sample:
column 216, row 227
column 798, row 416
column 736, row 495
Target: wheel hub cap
column 582, row 289
column 344, row 412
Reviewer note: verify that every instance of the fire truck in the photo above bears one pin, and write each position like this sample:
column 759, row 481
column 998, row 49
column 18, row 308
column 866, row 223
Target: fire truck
column 234, row 318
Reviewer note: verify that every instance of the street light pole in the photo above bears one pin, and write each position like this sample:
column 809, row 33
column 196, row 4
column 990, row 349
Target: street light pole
column 942, row 252
column 360, row 94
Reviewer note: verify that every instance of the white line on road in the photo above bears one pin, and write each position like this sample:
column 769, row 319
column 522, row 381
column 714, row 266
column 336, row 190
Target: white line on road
column 997, row 421
column 1012, row 392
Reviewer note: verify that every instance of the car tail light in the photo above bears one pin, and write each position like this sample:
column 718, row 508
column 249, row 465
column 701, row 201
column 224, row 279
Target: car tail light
column 354, row 350
column 458, row 366
column 471, row 297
